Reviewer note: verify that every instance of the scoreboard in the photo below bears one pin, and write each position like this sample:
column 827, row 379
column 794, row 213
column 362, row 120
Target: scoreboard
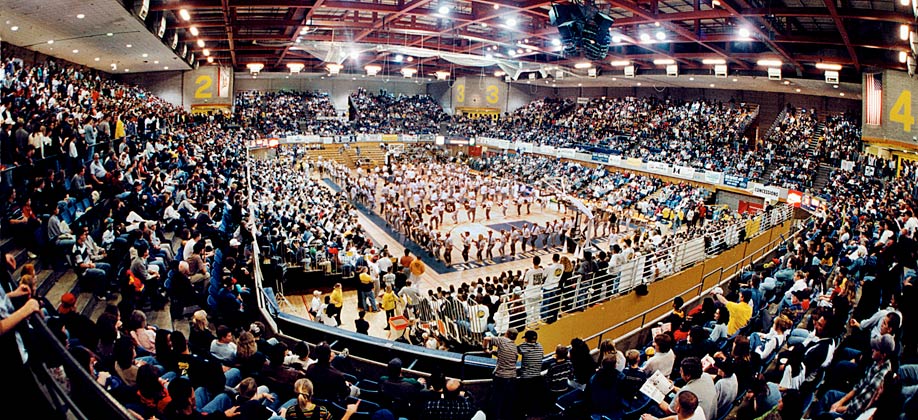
column 898, row 105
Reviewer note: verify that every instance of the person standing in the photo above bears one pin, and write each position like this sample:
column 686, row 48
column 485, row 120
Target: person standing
column 503, row 392
column 532, row 389
column 532, row 282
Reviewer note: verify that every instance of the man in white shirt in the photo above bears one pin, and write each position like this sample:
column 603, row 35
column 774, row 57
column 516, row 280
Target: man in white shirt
column 533, row 279
column 550, row 298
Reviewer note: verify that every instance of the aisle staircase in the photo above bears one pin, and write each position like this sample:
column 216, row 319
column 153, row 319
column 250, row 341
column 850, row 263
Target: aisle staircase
column 822, row 176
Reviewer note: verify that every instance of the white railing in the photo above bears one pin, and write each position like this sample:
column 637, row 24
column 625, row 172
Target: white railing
column 536, row 304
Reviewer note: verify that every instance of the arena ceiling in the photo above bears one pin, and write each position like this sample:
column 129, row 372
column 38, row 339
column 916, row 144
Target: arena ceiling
column 857, row 34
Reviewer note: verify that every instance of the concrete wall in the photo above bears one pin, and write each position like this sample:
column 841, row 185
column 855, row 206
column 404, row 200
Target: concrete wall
column 164, row 84
column 338, row 87
column 732, row 199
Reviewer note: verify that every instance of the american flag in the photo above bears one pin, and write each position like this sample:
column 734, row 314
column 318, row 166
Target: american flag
column 873, row 98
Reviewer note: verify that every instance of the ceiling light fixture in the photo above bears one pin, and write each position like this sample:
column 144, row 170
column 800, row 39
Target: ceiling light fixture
column 183, row 13
column 660, row 35
column 81, row 16
column 167, row 67
column 206, row 52
column 496, row 6
column 499, row 73
column 334, row 68
column 194, row 31
column 96, row 59
column 408, row 72
column 769, row 63
column 828, row 66
column 372, row 69
column 903, row 32
column 616, row 39
column 295, row 67
column 511, row 22
column 155, row 61
column 745, row 32
column 109, row 34
column 583, row 65
column 145, row 55
column 128, row 45
column 209, row 60
column 14, row 28
column 713, row 61
column 409, row 59
column 645, row 37
column 50, row 41
column 443, row 10
column 556, row 42
column 903, row 56
column 76, row 51
column 442, row 75
column 201, row 43
column 255, row 67
column 619, row 63
column 664, row 61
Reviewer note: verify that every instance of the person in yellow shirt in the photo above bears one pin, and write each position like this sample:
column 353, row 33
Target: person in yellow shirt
column 365, row 291
column 740, row 313
column 337, row 301
column 389, row 301
column 119, row 128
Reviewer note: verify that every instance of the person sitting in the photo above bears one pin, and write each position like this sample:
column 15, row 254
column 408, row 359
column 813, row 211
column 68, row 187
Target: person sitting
column 686, row 404
column 224, row 346
column 604, row 389
column 452, row 404
column 95, row 272
column 401, row 393
column 329, row 382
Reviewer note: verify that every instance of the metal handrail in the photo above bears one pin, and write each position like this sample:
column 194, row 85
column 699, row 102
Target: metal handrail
column 772, row 245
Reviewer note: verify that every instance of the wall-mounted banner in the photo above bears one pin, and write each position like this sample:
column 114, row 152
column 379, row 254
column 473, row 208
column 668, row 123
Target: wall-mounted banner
column 736, row 181
column 600, row 157
column 686, row 172
column 769, row 192
column 659, row 167
column 714, row 177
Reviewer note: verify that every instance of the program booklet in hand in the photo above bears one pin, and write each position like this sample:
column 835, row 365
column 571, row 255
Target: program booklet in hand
column 662, row 328
column 657, row 386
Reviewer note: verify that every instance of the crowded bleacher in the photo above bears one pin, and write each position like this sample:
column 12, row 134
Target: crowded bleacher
column 147, row 206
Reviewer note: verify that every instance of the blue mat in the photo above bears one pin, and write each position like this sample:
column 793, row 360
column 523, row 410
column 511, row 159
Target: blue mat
column 432, row 263
column 458, row 264
column 507, row 225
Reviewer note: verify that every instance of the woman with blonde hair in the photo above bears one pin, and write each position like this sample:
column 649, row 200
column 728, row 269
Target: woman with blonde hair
column 303, row 408
column 249, row 360
column 200, row 335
